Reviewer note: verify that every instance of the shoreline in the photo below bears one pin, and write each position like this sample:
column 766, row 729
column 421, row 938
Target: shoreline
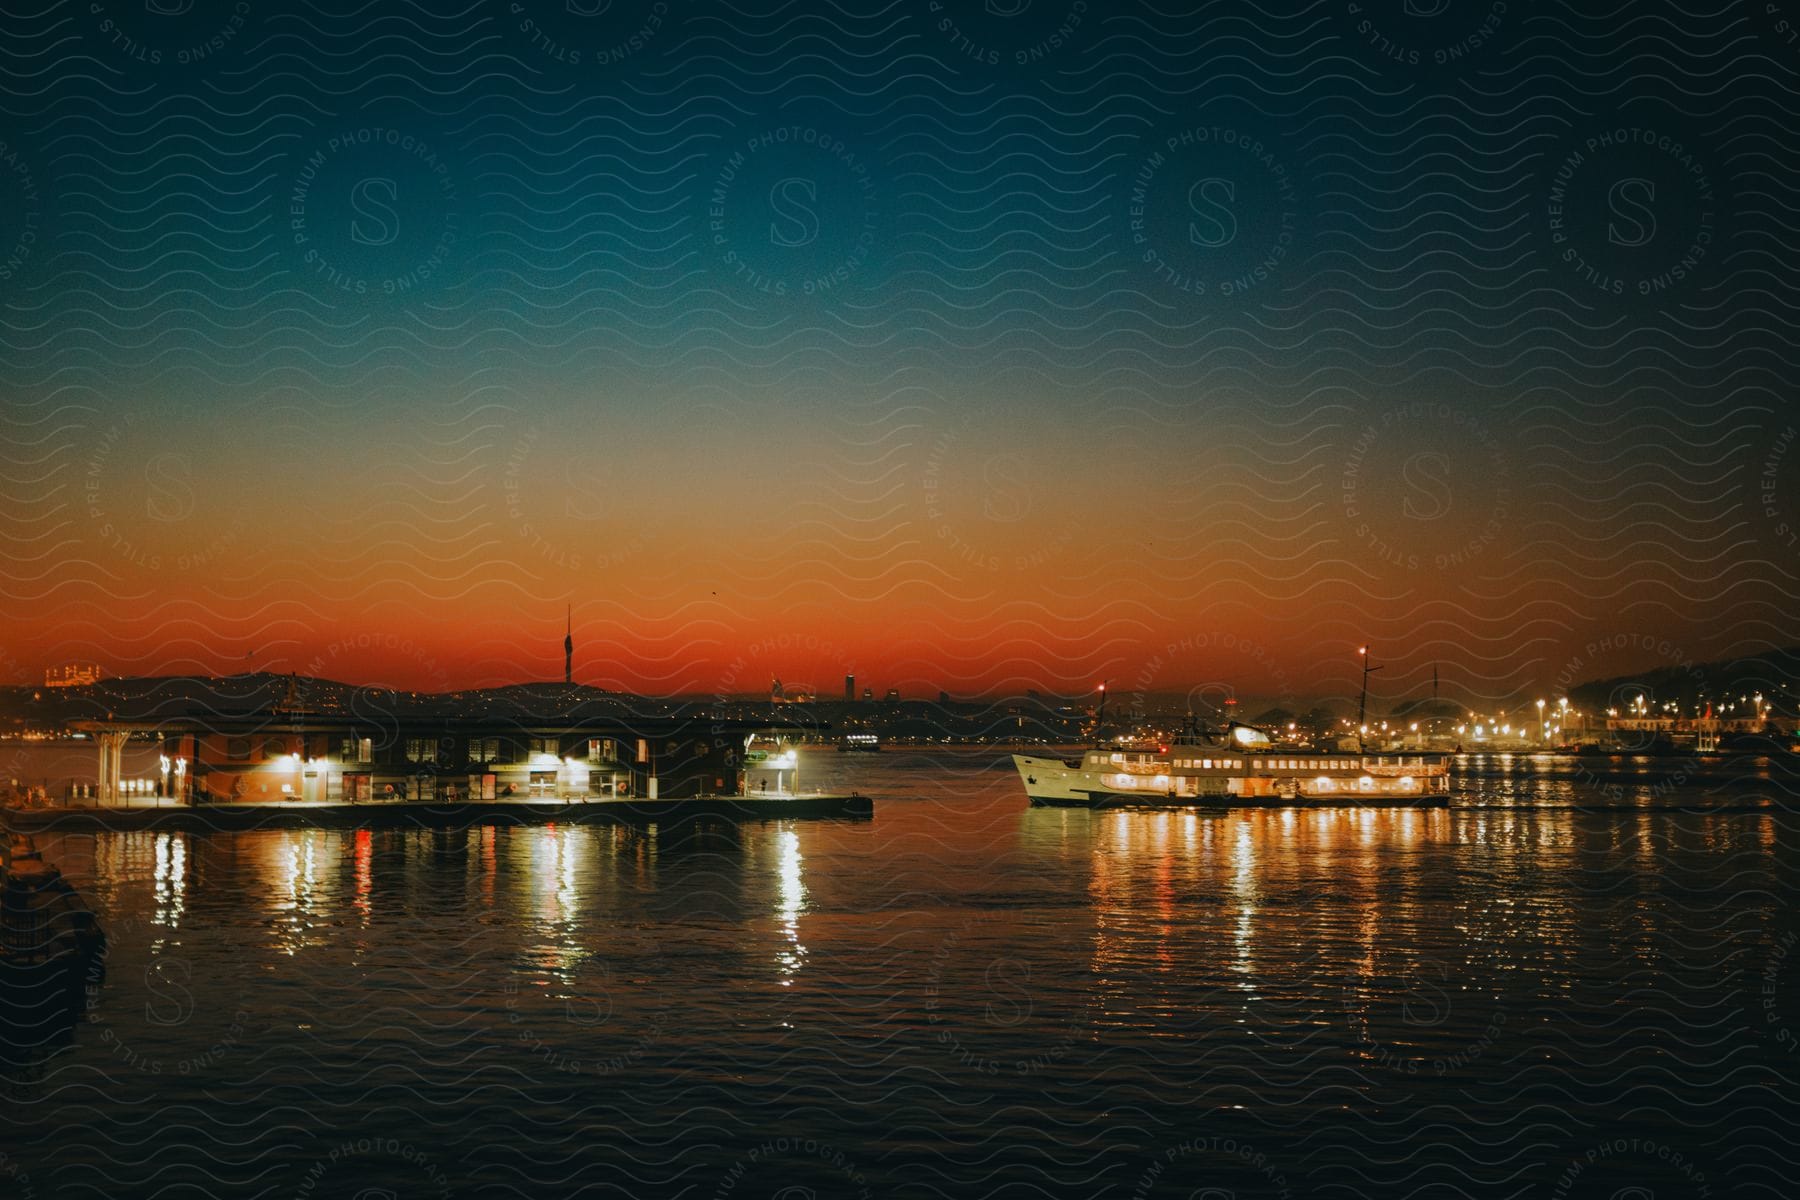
column 429, row 814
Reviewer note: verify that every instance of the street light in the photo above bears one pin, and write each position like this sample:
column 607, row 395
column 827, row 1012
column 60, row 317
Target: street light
column 1363, row 703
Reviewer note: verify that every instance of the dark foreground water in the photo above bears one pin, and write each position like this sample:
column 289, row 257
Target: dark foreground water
column 1578, row 982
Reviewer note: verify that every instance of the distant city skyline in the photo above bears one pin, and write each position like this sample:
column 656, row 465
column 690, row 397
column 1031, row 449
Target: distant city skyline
column 1782, row 687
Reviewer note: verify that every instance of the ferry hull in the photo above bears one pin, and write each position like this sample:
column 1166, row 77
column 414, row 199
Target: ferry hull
column 1054, row 783
column 1120, row 801
column 1051, row 781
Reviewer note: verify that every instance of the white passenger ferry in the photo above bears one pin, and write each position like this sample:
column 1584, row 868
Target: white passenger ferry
column 1241, row 768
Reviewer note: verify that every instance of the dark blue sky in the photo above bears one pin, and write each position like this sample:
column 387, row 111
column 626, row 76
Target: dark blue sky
column 994, row 344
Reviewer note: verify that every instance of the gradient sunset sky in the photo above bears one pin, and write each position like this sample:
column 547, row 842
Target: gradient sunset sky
column 1039, row 344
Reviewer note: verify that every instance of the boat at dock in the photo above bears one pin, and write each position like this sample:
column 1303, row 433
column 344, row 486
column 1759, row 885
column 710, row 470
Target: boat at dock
column 49, row 938
column 1237, row 767
column 859, row 743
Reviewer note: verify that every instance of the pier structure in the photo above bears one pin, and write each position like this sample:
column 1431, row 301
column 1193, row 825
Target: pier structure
column 111, row 744
column 283, row 755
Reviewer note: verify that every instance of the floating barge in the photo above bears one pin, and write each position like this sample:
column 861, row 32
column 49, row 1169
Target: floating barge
column 433, row 814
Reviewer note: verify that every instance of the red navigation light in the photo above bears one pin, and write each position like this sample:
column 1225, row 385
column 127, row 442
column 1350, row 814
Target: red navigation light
column 1162, row 749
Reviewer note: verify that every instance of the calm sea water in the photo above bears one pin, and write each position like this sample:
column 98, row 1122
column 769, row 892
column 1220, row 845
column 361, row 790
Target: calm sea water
column 1580, row 980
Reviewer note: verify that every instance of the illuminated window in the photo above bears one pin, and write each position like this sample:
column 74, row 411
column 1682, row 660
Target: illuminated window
column 543, row 745
column 603, row 750
column 421, row 750
column 357, row 749
column 484, row 750
column 274, row 747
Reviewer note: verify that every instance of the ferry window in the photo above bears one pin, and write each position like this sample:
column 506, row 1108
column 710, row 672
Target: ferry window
column 274, row 747
column 484, row 750
column 357, row 749
column 543, row 745
column 421, row 749
column 237, row 747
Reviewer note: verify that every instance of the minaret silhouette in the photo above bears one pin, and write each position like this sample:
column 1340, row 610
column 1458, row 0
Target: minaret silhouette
column 569, row 644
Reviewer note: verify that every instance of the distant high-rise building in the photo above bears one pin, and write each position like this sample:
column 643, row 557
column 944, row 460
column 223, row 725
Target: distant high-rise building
column 943, row 697
column 849, row 689
column 569, row 644
column 868, row 693
column 893, row 693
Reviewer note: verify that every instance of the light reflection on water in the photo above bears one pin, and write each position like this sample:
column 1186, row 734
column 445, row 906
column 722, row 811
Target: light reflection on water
column 962, row 986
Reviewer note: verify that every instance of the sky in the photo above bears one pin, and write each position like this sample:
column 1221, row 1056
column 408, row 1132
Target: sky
column 979, row 347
